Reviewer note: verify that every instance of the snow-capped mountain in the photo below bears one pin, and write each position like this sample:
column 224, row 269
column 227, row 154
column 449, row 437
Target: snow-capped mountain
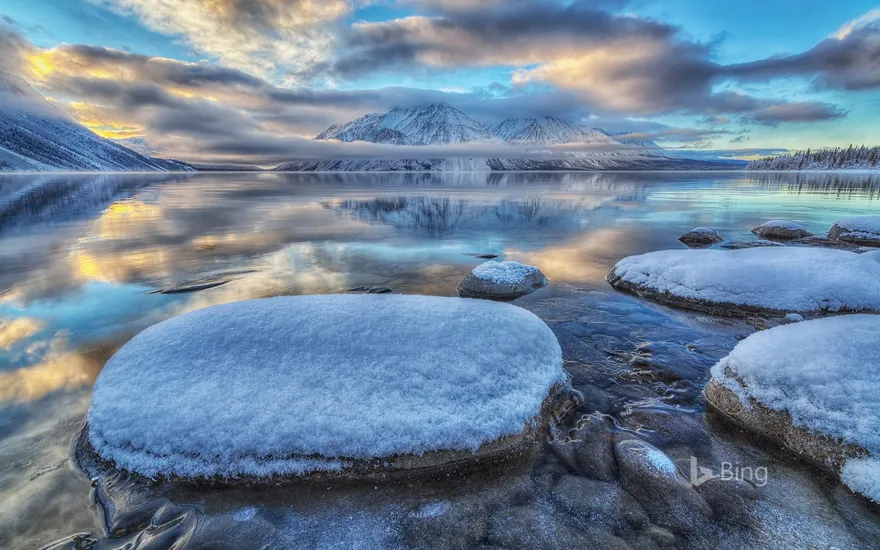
column 433, row 124
column 548, row 130
column 36, row 136
column 633, row 142
column 441, row 124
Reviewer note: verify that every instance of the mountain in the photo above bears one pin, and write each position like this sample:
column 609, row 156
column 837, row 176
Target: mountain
column 441, row 124
column 433, row 124
column 36, row 136
column 548, row 130
column 633, row 142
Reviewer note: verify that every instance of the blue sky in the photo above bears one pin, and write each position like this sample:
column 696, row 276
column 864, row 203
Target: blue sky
column 742, row 78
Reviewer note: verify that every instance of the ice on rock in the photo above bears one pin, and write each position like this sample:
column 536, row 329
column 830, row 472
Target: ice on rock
column 770, row 280
column 860, row 230
column 291, row 385
column 501, row 280
column 823, row 378
column 781, row 229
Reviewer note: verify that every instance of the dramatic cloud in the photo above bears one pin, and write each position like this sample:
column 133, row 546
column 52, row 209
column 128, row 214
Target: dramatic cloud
column 267, row 37
column 847, row 60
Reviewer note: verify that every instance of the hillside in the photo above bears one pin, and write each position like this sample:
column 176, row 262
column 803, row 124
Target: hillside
column 851, row 158
column 36, row 136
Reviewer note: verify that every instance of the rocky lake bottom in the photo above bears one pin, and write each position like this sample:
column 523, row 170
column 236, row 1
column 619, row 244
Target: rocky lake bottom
column 88, row 261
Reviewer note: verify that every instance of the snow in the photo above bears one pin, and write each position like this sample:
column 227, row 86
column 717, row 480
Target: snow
column 791, row 279
column 703, row 230
column 862, row 475
column 501, row 273
column 825, row 373
column 794, row 317
column 290, row 385
column 862, row 224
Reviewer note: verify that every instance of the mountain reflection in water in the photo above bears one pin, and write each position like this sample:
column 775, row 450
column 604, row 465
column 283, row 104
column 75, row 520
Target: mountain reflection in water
column 81, row 255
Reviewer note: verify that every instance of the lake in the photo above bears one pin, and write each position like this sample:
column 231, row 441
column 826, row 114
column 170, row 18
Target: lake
column 87, row 261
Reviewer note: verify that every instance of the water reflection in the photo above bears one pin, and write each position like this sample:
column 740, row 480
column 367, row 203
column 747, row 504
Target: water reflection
column 80, row 256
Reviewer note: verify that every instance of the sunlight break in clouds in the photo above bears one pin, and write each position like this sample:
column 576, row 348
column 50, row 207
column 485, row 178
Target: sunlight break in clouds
column 270, row 38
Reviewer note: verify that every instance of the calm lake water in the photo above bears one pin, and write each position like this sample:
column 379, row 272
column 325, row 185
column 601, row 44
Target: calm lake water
column 83, row 256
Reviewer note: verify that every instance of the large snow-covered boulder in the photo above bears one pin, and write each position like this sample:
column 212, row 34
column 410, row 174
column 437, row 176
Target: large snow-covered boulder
column 781, row 229
column 356, row 384
column 815, row 387
column 862, row 230
column 701, row 236
column 501, row 280
column 774, row 280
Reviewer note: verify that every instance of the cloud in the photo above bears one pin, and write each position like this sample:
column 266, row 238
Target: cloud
column 847, row 60
column 266, row 37
column 773, row 115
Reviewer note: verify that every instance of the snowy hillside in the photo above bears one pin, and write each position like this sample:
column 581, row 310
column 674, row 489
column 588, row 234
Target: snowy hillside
column 35, row 136
column 441, row 124
column 851, row 158
column 434, row 124
column 548, row 130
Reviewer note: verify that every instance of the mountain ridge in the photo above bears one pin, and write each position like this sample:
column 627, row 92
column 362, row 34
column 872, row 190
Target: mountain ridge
column 442, row 124
column 37, row 136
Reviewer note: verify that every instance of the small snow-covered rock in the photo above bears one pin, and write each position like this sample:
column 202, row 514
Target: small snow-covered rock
column 294, row 385
column 501, row 280
column 781, row 229
column 862, row 230
column 773, row 280
column 700, row 236
column 815, row 386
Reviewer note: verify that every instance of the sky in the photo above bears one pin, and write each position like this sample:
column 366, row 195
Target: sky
column 248, row 81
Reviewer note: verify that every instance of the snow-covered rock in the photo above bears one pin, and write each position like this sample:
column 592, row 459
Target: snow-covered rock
column 293, row 385
column 501, row 280
column 775, row 280
column 700, row 236
column 862, row 230
column 815, row 386
column 781, row 229
column 35, row 136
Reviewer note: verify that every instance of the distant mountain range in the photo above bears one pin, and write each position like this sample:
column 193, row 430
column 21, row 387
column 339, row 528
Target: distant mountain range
column 442, row 124
column 36, row 136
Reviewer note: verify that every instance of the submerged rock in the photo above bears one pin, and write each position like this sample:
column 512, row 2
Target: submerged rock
column 781, row 229
column 653, row 479
column 701, row 236
column 501, row 280
column 773, row 281
column 813, row 386
column 339, row 384
column 739, row 245
column 864, row 230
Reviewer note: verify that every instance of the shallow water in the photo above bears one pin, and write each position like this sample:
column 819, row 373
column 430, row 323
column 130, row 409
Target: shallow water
column 88, row 261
